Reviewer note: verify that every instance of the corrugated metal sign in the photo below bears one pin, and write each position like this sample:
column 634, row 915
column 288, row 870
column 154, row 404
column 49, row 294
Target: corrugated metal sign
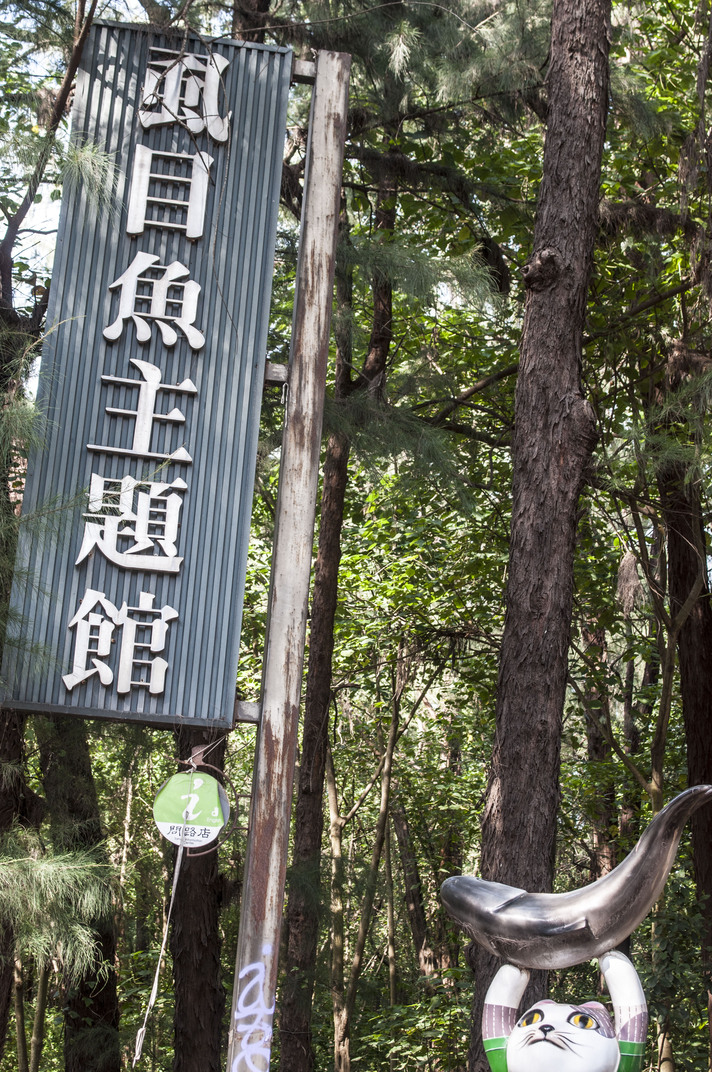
column 152, row 377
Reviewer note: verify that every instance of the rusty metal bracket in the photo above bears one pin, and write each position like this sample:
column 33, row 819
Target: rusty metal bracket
column 246, row 711
column 304, row 71
column 275, row 374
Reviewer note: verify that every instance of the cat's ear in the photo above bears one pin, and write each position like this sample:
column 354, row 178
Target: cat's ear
column 629, row 1008
column 602, row 1016
column 595, row 1005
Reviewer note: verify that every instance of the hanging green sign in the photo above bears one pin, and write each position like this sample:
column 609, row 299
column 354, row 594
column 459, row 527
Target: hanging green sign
column 191, row 808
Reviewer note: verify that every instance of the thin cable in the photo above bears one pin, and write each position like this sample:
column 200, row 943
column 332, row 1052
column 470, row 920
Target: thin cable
column 154, row 990
column 379, row 7
column 214, row 744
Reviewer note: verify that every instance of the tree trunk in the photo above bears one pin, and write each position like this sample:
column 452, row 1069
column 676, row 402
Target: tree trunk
column 17, row 802
column 427, row 961
column 451, row 856
column 38, row 1022
column 91, row 1010
column 336, row 975
column 344, row 990
column 391, row 924
column 687, row 563
column 554, row 437
column 598, row 748
column 21, row 1037
column 666, row 1058
column 248, row 19
column 303, row 906
column 195, row 940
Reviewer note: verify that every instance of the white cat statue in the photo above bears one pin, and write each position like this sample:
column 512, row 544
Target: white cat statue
column 550, row 1037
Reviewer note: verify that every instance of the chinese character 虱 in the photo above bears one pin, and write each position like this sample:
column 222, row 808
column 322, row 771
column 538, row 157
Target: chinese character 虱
column 183, row 88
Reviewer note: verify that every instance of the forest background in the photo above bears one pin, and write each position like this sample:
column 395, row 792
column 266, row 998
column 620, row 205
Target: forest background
column 439, row 736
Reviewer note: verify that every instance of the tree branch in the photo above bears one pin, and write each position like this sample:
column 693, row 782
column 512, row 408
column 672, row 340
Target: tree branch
column 58, row 110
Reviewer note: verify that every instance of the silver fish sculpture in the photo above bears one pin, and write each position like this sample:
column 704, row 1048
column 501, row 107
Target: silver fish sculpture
column 557, row 930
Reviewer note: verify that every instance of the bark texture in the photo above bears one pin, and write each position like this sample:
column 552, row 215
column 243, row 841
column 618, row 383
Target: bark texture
column 195, row 941
column 414, row 900
column 687, row 565
column 91, row 1009
column 598, row 748
column 303, row 906
column 554, row 437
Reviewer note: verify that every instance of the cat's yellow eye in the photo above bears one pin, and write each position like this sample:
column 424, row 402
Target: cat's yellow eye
column 583, row 1020
column 530, row 1018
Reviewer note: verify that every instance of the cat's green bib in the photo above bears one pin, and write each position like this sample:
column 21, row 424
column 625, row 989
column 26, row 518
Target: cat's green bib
column 496, row 1052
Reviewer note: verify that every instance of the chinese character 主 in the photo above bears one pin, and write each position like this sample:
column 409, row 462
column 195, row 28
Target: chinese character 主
column 145, row 413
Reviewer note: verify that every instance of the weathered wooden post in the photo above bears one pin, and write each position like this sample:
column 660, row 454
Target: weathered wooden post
column 250, row 1034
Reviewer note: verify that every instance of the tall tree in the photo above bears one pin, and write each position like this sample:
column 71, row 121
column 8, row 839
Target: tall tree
column 554, row 437
column 679, row 481
column 91, row 1009
column 20, row 328
column 195, row 937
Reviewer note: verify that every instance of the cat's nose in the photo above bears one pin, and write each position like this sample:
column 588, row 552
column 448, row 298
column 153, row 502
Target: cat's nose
column 546, row 1028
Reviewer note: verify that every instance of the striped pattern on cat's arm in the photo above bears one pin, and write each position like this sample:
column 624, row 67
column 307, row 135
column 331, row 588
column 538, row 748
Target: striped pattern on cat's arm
column 500, row 1013
column 629, row 1008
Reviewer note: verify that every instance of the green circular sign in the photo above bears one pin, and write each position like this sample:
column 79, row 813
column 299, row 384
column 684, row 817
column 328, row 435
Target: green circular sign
column 191, row 807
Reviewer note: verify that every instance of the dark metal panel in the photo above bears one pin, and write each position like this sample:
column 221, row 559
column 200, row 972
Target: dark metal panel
column 217, row 388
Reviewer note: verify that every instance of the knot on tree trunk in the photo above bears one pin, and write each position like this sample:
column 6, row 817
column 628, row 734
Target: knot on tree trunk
column 588, row 426
column 683, row 364
column 543, row 269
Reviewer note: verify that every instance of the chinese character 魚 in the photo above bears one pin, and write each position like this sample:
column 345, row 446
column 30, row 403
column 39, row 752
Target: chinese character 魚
column 152, row 292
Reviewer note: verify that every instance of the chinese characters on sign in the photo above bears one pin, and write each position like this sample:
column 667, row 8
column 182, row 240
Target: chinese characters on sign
column 145, row 538
column 152, row 380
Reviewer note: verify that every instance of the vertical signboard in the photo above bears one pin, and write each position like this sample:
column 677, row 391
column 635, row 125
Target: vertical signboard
column 130, row 600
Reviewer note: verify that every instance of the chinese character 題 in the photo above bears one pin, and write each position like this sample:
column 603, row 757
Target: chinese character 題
column 128, row 519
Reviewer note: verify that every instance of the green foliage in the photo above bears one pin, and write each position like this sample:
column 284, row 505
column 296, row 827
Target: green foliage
column 51, row 901
column 431, row 1033
column 447, row 117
